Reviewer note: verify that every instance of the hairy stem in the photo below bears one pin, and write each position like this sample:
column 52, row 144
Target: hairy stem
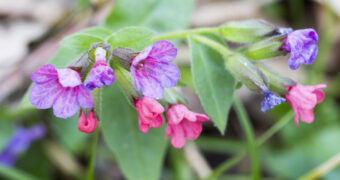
column 184, row 34
column 213, row 44
column 90, row 167
column 250, row 137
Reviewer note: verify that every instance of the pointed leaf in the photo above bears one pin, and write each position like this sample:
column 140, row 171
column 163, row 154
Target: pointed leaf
column 139, row 155
column 214, row 84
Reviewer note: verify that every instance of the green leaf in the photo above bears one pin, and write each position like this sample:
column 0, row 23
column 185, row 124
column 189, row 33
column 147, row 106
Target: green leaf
column 131, row 37
column 246, row 31
column 214, row 84
column 67, row 133
column 80, row 42
column 159, row 15
column 139, row 155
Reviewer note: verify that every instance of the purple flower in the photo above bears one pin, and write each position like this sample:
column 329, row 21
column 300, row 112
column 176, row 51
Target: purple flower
column 20, row 142
column 61, row 89
column 302, row 47
column 101, row 74
column 153, row 71
column 270, row 100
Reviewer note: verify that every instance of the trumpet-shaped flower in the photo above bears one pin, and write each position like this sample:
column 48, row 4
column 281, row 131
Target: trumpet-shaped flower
column 303, row 99
column 149, row 113
column 153, row 71
column 183, row 124
column 61, row 89
column 302, row 47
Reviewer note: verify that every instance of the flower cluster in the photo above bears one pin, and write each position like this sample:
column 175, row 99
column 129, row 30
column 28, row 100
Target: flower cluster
column 68, row 89
column 152, row 70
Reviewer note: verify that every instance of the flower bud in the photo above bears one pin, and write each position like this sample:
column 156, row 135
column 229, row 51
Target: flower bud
column 87, row 123
column 276, row 83
column 268, row 48
column 246, row 72
column 246, row 31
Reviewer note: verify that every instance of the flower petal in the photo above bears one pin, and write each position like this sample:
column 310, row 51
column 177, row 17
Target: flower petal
column 141, row 56
column 84, row 97
column 163, row 51
column 44, row 73
column 42, row 96
column 177, row 138
column 191, row 129
column 306, row 115
column 68, row 77
column 66, row 105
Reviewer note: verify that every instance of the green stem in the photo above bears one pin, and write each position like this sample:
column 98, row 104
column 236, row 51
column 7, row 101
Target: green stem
column 184, row 34
column 322, row 169
column 259, row 142
column 90, row 167
column 250, row 137
column 213, row 44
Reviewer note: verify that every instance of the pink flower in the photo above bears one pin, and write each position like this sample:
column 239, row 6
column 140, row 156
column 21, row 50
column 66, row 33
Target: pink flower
column 303, row 100
column 61, row 89
column 101, row 74
column 183, row 124
column 152, row 70
column 149, row 113
column 87, row 124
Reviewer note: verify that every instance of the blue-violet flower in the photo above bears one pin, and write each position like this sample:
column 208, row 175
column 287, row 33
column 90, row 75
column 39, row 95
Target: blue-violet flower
column 270, row 100
column 153, row 71
column 20, row 142
column 302, row 47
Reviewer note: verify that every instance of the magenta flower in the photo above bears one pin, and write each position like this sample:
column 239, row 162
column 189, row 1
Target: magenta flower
column 149, row 113
column 20, row 142
column 61, row 89
column 303, row 100
column 153, row 71
column 101, row 74
column 87, row 124
column 302, row 47
column 183, row 124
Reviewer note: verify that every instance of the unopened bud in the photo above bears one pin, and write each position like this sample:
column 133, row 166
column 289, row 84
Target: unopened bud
column 276, row 83
column 87, row 122
column 246, row 72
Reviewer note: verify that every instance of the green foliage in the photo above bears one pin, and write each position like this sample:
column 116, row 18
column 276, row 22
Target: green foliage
column 6, row 131
column 139, row 155
column 67, row 133
column 247, row 31
column 159, row 15
column 135, row 38
column 208, row 70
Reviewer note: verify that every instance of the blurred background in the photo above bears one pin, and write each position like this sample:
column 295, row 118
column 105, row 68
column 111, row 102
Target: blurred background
column 30, row 31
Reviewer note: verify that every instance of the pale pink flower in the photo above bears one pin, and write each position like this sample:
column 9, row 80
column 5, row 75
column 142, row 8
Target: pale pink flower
column 183, row 124
column 303, row 100
column 149, row 113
